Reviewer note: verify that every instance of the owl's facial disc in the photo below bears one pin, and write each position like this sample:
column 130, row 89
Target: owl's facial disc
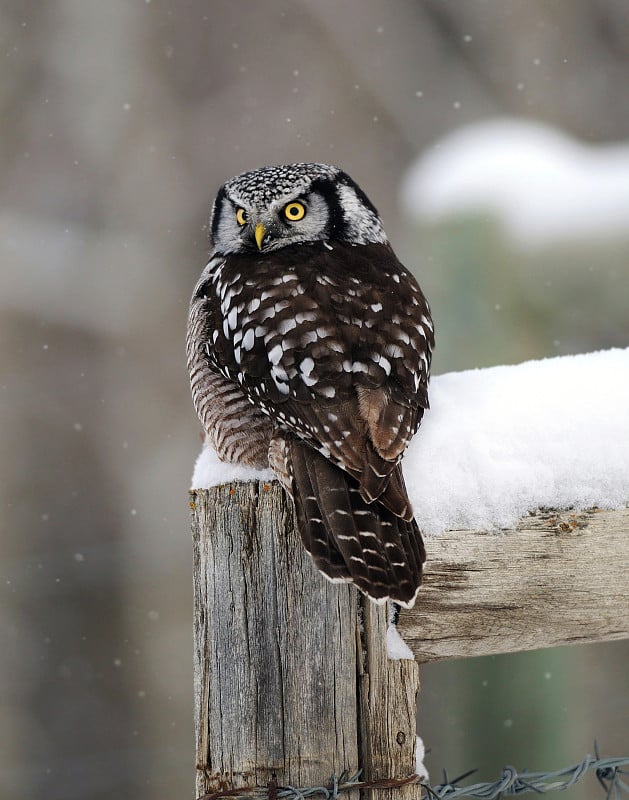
column 243, row 226
column 275, row 207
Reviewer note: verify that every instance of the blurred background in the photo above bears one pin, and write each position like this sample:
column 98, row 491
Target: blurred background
column 490, row 136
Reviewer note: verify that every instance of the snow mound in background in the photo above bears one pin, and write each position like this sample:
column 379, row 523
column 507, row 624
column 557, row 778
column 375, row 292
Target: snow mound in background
column 541, row 183
column 500, row 442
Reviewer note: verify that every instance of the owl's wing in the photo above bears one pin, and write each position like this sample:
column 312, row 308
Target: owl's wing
column 333, row 346
column 334, row 343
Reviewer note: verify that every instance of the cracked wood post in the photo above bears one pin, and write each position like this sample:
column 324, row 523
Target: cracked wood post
column 292, row 681
column 556, row 578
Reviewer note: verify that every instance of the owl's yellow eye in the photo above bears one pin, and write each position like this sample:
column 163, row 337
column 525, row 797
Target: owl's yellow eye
column 241, row 216
column 294, row 212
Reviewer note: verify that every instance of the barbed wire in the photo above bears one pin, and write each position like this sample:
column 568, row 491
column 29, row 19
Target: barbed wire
column 510, row 784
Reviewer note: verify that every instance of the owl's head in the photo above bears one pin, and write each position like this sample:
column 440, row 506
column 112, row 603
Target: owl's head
column 273, row 207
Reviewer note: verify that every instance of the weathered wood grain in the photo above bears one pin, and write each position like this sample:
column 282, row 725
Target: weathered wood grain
column 388, row 691
column 291, row 677
column 558, row 578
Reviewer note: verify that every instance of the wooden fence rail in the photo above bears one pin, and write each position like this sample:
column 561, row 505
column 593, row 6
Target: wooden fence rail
column 557, row 578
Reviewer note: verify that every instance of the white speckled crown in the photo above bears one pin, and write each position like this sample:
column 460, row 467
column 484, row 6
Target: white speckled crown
column 266, row 184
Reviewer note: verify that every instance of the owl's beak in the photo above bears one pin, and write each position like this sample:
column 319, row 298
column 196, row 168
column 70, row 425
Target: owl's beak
column 259, row 234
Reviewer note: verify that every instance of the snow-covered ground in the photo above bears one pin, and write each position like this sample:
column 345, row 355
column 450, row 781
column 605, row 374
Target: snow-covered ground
column 502, row 441
column 542, row 184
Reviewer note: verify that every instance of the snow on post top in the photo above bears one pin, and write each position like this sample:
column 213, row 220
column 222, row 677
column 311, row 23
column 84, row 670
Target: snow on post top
column 503, row 441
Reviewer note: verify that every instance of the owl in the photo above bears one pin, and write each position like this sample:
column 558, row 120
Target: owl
column 309, row 348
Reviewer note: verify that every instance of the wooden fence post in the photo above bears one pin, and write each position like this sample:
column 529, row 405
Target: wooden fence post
column 292, row 682
column 388, row 695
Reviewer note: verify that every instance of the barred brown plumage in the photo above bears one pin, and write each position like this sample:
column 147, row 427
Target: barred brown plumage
column 309, row 349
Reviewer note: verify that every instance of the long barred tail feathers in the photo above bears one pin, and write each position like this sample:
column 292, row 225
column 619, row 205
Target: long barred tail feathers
column 348, row 538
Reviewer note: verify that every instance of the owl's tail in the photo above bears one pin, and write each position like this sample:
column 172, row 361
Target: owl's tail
column 350, row 539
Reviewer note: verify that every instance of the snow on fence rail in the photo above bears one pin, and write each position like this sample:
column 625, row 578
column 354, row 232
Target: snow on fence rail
column 501, row 442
